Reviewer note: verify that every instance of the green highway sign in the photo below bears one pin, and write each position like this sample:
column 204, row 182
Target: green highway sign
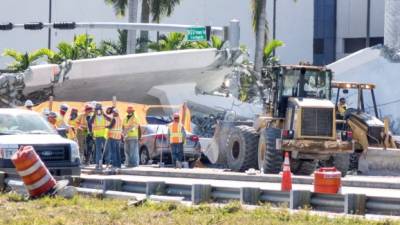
column 196, row 34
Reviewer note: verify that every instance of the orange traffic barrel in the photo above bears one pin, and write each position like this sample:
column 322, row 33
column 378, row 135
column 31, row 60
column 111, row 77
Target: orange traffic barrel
column 327, row 180
column 35, row 175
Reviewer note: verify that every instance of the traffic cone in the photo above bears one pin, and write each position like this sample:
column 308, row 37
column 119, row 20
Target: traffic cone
column 286, row 184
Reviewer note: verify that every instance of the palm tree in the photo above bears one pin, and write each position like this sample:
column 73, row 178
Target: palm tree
column 120, row 9
column 82, row 47
column 108, row 48
column 24, row 60
column 161, row 8
column 259, row 25
column 144, row 18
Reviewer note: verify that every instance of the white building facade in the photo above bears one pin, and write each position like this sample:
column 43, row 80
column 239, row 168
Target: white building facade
column 318, row 31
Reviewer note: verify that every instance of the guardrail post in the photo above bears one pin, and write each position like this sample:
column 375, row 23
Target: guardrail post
column 201, row 193
column 2, row 180
column 354, row 204
column 249, row 195
column 155, row 188
column 112, row 184
column 75, row 181
column 299, row 199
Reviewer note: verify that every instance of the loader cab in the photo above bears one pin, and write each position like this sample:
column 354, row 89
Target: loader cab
column 301, row 82
column 356, row 94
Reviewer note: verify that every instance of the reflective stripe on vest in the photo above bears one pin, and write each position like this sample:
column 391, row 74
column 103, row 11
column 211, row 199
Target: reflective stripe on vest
column 116, row 131
column 99, row 126
column 133, row 121
column 175, row 133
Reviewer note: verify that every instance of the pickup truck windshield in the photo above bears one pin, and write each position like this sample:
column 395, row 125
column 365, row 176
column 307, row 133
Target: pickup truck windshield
column 24, row 124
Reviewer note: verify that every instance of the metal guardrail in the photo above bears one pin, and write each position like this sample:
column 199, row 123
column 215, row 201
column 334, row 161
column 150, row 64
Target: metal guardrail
column 198, row 193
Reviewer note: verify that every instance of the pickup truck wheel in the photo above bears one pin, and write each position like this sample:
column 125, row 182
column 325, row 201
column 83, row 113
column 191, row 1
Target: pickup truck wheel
column 242, row 148
column 269, row 158
column 144, row 157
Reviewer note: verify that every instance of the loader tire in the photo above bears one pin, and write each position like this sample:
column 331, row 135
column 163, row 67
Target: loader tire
column 269, row 158
column 302, row 166
column 241, row 148
column 341, row 161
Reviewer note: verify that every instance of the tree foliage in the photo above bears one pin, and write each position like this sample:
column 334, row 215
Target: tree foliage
column 23, row 60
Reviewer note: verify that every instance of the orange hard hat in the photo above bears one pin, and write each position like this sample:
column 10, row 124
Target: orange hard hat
column 88, row 107
column 130, row 109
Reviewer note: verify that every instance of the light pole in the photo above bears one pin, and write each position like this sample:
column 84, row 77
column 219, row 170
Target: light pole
column 367, row 42
column 49, row 35
column 274, row 25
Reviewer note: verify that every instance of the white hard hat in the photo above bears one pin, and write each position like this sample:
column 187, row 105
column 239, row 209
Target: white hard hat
column 28, row 103
column 46, row 112
column 64, row 107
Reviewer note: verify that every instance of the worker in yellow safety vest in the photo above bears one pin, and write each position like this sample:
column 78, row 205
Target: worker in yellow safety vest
column 114, row 139
column 72, row 125
column 61, row 117
column 176, row 137
column 98, row 125
column 131, row 133
column 83, row 135
column 342, row 107
column 52, row 118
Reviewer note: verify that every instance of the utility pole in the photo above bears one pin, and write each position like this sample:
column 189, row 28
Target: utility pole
column 49, row 37
column 274, row 25
column 367, row 42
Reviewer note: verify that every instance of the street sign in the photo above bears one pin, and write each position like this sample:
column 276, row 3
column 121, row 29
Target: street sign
column 196, row 34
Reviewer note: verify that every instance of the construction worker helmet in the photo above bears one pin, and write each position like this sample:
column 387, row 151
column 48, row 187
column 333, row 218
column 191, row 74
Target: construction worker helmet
column 52, row 115
column 130, row 109
column 176, row 116
column 46, row 112
column 98, row 106
column 28, row 103
column 88, row 107
column 74, row 110
column 64, row 107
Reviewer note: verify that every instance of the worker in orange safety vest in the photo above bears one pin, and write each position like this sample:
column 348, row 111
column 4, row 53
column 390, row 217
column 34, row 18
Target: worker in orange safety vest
column 114, row 139
column 176, row 137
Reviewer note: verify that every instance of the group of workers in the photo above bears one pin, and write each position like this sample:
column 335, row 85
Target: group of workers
column 105, row 130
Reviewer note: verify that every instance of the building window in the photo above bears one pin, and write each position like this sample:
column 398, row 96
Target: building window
column 375, row 41
column 353, row 44
column 318, row 46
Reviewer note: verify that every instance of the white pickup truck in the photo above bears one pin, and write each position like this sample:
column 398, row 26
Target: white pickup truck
column 20, row 127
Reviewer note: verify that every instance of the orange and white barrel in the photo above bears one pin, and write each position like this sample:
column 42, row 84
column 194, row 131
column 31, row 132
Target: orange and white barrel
column 35, row 175
column 327, row 180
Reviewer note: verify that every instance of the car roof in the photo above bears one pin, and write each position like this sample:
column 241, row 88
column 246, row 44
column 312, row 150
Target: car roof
column 12, row 111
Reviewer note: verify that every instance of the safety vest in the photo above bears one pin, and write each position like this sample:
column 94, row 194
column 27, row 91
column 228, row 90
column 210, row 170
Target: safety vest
column 71, row 131
column 116, row 131
column 134, row 123
column 60, row 122
column 175, row 133
column 342, row 108
column 99, row 126
column 81, row 121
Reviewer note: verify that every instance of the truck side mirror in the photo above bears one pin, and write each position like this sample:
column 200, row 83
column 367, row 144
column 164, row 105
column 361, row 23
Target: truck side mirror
column 345, row 91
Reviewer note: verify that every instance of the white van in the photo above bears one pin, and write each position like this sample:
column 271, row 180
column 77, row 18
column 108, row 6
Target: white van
column 20, row 127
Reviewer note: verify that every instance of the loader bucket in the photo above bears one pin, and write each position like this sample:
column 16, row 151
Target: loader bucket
column 380, row 161
column 216, row 148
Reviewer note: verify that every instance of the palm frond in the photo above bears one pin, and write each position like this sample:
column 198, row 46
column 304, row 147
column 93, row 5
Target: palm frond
column 17, row 56
column 271, row 46
column 119, row 6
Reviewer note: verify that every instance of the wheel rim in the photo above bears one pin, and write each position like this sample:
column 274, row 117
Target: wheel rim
column 143, row 157
column 235, row 150
column 262, row 147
